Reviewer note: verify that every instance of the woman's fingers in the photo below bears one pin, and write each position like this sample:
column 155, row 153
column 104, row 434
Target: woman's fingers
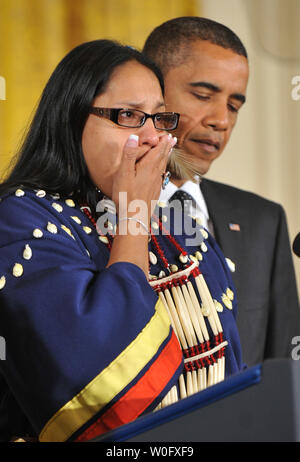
column 142, row 167
column 130, row 154
column 157, row 157
column 173, row 141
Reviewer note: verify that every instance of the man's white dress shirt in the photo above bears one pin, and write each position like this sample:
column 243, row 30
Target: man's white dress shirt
column 199, row 210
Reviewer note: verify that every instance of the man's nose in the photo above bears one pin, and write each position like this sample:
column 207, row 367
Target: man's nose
column 218, row 117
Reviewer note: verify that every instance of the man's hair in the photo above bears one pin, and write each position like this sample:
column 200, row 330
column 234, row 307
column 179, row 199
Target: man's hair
column 168, row 44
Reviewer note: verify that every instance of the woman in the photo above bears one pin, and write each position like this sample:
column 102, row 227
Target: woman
column 89, row 343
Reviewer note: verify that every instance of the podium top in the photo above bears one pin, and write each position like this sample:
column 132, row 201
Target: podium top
column 199, row 400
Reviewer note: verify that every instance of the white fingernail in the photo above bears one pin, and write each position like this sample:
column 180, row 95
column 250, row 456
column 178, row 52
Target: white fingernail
column 133, row 141
column 174, row 141
column 133, row 137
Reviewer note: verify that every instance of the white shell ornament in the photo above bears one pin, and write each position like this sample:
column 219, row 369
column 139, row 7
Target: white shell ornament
column 38, row 233
column 19, row 193
column 162, row 204
column 199, row 221
column 204, row 233
column 52, row 228
column 226, row 301
column 198, row 255
column 18, row 270
column 77, row 220
column 193, row 258
column 230, row 294
column 230, row 264
column 40, row 193
column 57, row 207
column 152, row 277
column 87, row 229
column 2, row 282
column 103, row 239
column 203, row 247
column 154, row 225
column 183, row 258
column 152, row 258
column 70, row 202
column 67, row 230
column 27, row 253
column 219, row 306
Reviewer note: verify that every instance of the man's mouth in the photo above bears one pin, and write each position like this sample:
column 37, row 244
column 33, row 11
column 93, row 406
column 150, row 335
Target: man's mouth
column 207, row 144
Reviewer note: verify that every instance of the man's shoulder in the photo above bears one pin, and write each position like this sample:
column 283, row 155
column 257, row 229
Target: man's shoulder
column 232, row 193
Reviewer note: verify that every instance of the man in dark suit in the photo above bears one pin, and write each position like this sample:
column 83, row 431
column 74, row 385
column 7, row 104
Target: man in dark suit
column 205, row 68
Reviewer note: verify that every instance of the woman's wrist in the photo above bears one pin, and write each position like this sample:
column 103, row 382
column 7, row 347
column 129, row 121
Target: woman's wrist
column 137, row 225
column 134, row 224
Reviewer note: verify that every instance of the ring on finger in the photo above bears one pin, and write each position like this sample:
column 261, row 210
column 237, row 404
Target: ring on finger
column 166, row 178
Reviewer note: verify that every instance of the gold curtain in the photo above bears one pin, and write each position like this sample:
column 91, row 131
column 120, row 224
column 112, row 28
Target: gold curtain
column 36, row 34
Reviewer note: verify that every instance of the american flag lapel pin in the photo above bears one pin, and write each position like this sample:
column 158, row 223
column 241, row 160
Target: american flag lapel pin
column 234, row 227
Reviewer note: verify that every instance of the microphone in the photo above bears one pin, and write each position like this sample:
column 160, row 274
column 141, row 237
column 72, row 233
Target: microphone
column 296, row 245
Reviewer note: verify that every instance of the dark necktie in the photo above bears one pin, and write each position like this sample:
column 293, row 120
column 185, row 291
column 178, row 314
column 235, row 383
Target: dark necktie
column 183, row 200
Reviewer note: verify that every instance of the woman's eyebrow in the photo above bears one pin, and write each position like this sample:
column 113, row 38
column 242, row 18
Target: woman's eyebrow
column 136, row 105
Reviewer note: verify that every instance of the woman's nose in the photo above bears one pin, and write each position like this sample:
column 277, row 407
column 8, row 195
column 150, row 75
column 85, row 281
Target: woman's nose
column 149, row 134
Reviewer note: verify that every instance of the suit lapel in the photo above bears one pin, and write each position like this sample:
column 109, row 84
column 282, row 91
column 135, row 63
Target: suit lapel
column 223, row 212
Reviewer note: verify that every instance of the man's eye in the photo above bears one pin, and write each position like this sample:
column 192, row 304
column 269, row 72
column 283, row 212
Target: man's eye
column 201, row 97
column 233, row 108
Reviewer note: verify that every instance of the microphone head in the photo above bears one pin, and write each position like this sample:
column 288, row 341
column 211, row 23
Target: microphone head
column 296, row 245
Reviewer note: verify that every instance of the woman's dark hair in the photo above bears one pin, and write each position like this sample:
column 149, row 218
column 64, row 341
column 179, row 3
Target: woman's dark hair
column 51, row 156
